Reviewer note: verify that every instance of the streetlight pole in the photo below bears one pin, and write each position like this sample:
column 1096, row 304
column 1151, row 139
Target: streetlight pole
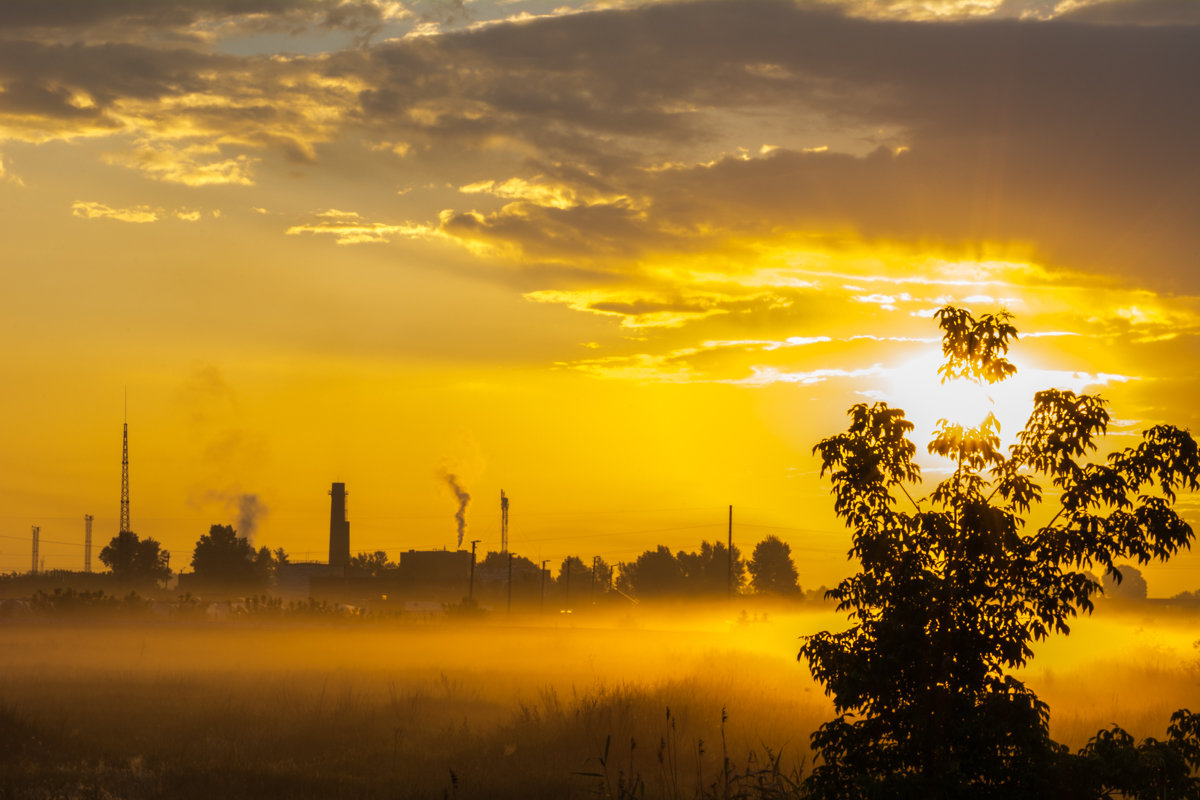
column 471, row 585
column 542, row 607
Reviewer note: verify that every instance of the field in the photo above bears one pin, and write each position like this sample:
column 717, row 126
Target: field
column 499, row 708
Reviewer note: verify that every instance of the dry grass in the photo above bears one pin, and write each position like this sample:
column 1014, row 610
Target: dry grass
column 524, row 709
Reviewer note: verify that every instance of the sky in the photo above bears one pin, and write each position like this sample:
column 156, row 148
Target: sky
column 625, row 261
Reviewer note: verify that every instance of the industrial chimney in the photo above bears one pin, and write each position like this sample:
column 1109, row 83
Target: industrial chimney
column 339, row 528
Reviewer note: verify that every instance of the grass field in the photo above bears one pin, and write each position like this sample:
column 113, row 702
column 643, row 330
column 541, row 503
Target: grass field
column 501, row 708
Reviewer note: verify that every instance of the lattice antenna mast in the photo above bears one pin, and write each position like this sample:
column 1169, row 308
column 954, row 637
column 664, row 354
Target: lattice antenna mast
column 87, row 543
column 503, row 523
column 36, row 532
column 125, row 470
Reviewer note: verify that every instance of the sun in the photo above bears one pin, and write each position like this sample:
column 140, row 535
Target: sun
column 916, row 387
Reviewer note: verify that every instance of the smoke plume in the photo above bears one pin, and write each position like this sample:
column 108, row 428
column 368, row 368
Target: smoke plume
column 460, row 516
column 245, row 507
column 250, row 510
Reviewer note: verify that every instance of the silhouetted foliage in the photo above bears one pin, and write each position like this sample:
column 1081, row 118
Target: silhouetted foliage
column 1130, row 588
column 658, row 573
column 374, row 564
column 70, row 602
column 654, row 573
column 136, row 560
column 771, row 568
column 953, row 590
column 223, row 557
column 580, row 576
column 707, row 572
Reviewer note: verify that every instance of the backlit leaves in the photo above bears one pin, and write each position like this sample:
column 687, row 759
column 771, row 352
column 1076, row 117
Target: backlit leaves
column 950, row 597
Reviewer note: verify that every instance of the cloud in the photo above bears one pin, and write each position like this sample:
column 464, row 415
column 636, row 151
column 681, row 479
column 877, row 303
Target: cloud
column 1136, row 12
column 7, row 176
column 974, row 142
column 192, row 21
column 91, row 210
column 348, row 227
column 193, row 165
column 777, row 117
column 765, row 376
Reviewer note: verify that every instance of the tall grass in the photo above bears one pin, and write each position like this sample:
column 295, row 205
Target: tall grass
column 702, row 708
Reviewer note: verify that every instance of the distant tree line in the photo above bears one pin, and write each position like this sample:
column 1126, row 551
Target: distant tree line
column 655, row 573
column 223, row 559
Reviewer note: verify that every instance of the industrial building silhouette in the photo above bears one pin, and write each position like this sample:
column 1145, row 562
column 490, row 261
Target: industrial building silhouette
column 438, row 575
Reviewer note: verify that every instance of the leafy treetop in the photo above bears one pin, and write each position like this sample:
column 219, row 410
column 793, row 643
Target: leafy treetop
column 954, row 587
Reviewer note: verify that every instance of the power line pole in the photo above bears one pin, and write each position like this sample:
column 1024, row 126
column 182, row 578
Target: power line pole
column 87, row 543
column 542, row 607
column 729, row 549
column 125, row 470
column 510, row 583
column 503, row 522
column 471, row 585
column 36, row 531
column 595, row 569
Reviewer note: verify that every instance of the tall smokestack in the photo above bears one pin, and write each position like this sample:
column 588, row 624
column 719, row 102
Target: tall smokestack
column 460, row 516
column 339, row 527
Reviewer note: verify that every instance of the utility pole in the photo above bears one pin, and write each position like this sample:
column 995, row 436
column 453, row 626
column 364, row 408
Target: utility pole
column 595, row 567
column 567, row 590
column 510, row 556
column 125, row 470
column 503, row 522
column 471, row 585
column 542, row 607
column 87, row 543
column 729, row 551
column 36, row 531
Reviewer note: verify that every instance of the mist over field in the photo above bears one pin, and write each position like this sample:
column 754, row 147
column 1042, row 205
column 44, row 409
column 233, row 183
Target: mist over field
column 520, row 707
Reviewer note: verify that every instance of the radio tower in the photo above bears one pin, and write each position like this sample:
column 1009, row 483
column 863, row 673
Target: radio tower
column 125, row 471
column 503, row 523
column 36, row 531
column 87, row 543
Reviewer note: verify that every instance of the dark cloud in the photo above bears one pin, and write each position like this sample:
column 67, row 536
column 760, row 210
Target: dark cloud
column 77, row 14
column 1073, row 137
column 1077, row 138
column 1139, row 12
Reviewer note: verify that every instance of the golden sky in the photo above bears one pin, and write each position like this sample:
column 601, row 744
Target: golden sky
column 626, row 261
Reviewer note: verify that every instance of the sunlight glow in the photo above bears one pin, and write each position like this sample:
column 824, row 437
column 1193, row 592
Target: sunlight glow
column 915, row 387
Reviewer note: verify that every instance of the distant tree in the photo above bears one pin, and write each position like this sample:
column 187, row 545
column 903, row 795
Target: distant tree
column 1130, row 586
column 136, row 560
column 580, row 573
column 602, row 575
column 707, row 572
column 221, row 556
column 953, row 590
column 264, row 566
column 281, row 556
column 655, row 573
column 771, row 568
column 374, row 564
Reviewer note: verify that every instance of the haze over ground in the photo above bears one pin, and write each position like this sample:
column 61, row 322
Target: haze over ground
column 627, row 263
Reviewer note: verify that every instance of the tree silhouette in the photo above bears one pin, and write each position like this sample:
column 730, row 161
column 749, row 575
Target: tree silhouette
column 953, row 590
column 374, row 564
column 1131, row 588
column 707, row 572
column 223, row 557
column 654, row 573
column 771, row 568
column 136, row 560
